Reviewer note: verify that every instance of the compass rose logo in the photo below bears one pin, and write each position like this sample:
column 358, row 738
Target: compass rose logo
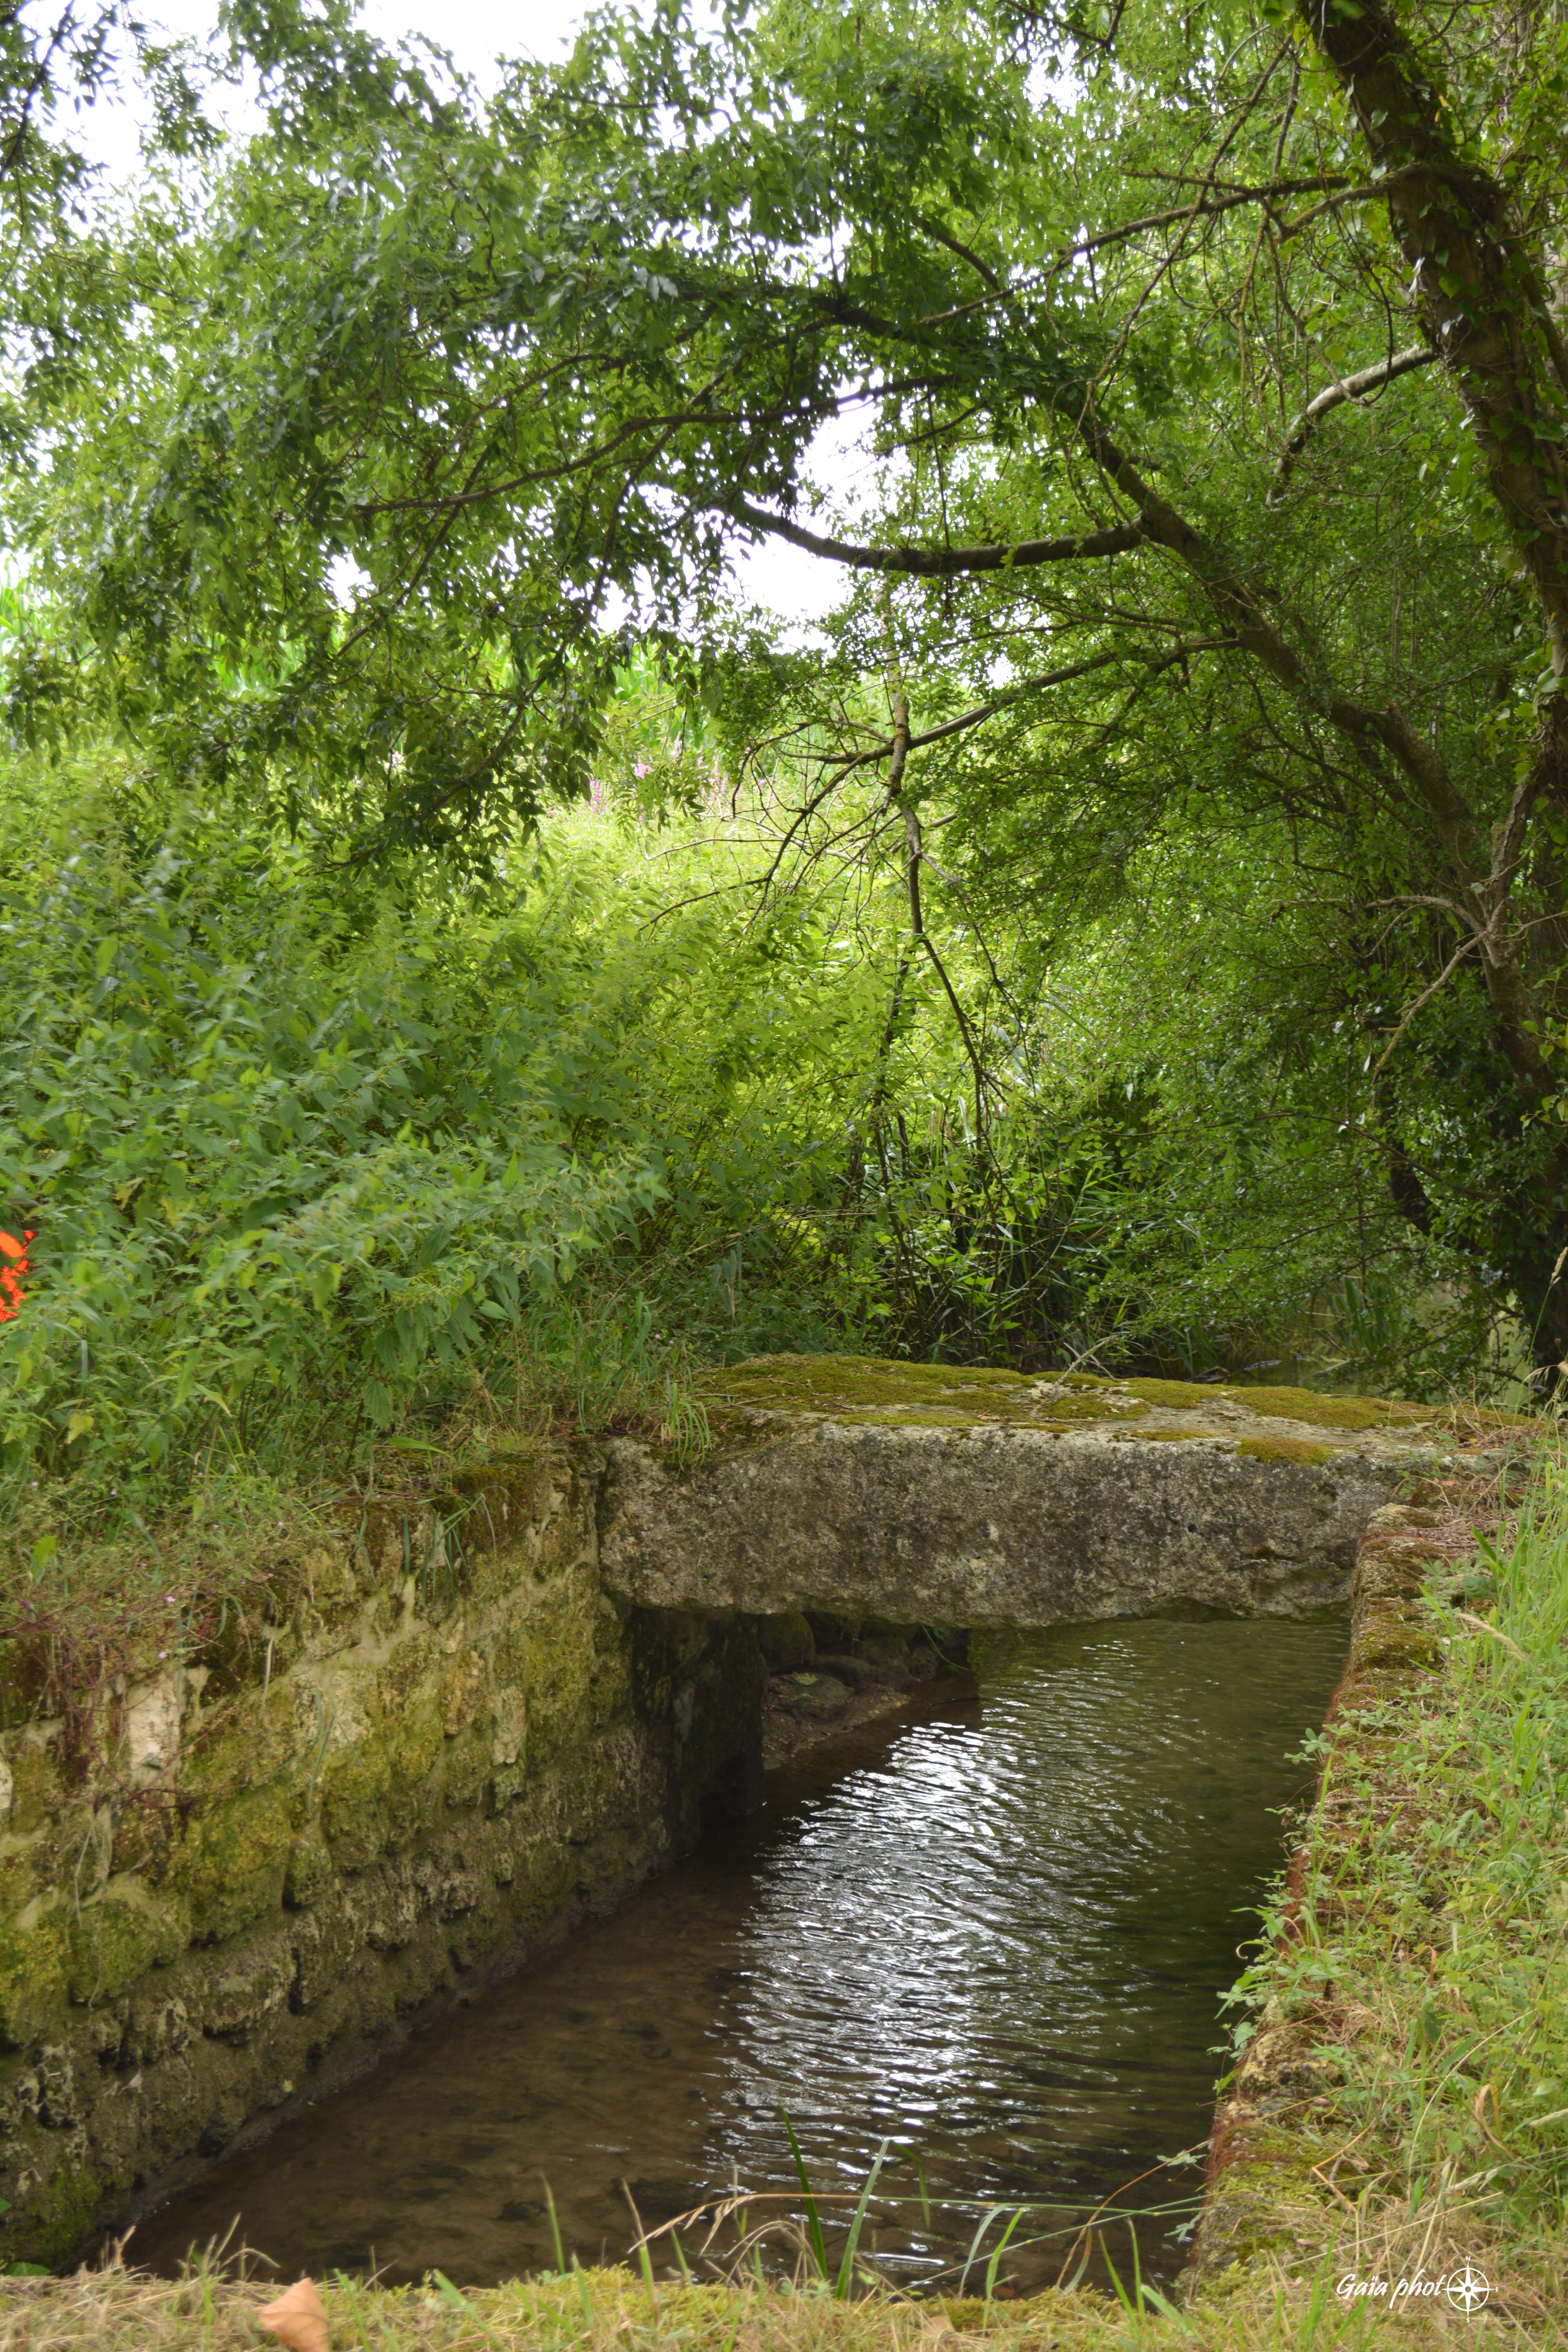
column 1468, row 2289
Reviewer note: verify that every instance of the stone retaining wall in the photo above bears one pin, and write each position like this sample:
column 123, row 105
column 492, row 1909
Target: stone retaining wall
column 259, row 1866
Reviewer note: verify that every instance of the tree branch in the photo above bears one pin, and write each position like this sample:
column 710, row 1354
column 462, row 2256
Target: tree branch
column 1351, row 387
column 1474, row 285
column 1154, row 663
column 1207, row 207
column 1408, row 1015
column 1242, row 610
column 977, row 262
column 940, row 562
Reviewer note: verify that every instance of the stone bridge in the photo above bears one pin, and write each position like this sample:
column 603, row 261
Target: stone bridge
column 928, row 1493
column 482, row 1706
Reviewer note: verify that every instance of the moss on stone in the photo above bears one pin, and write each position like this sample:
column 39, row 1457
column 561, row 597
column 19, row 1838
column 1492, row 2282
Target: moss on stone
column 1255, row 2212
column 1099, row 1406
column 61, row 2212
column 241, row 1749
column 129, row 1929
column 307, row 1872
column 1285, row 1449
column 402, row 1674
column 27, row 1866
column 230, row 1865
column 378, row 1792
column 504, row 1494
column 464, row 1692
column 33, row 1964
column 1321, row 1411
column 831, row 1383
column 927, row 1416
column 1396, row 1644
column 862, row 1388
column 1351, row 1413
column 552, row 1655
column 1173, row 1396
column 37, row 1791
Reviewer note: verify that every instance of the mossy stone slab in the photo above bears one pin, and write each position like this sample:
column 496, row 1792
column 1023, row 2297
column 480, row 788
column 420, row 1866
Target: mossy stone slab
column 870, row 1390
column 977, row 1495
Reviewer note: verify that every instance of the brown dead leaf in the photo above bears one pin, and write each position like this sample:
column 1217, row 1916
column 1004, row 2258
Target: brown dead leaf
column 297, row 2318
column 1485, row 2096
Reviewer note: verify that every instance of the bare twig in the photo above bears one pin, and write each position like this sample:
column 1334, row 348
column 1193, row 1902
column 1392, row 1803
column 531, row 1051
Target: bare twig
column 1408, row 1015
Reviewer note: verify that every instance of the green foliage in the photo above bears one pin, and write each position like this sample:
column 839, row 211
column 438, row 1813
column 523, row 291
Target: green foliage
column 277, row 1149
column 308, row 1152
column 372, row 433
column 1167, row 1005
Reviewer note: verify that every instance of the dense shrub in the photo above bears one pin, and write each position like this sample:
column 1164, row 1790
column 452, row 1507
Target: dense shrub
column 273, row 1148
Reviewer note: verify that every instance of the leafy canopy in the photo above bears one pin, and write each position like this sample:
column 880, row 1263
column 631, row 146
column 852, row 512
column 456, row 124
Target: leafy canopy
column 1211, row 555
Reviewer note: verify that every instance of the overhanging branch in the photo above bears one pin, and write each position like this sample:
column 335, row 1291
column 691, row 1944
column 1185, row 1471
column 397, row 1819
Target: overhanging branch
column 1174, row 656
column 942, row 563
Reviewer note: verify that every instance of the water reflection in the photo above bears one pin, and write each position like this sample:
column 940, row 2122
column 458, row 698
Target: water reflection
column 991, row 1931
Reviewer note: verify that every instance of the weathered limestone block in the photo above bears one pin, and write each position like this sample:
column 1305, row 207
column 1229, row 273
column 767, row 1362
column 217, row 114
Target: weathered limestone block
column 153, row 1717
column 451, row 1751
column 925, row 1494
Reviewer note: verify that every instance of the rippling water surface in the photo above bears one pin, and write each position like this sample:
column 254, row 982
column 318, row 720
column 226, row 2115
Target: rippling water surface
column 990, row 1930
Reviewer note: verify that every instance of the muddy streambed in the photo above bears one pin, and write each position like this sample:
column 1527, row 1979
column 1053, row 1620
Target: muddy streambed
column 990, row 1928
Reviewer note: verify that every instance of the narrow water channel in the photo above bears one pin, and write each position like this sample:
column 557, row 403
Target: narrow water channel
column 990, row 1930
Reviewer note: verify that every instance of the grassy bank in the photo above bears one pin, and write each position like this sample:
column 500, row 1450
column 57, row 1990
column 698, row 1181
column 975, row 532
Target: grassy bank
column 610, row 2311
column 1402, row 2098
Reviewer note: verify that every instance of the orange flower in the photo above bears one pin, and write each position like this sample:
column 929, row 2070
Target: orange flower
column 13, row 1267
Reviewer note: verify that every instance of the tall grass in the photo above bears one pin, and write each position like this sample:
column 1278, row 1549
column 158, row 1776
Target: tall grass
column 1424, row 1967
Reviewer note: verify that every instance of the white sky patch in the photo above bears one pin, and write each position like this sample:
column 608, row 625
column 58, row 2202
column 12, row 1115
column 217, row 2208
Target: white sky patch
column 347, row 580
column 802, row 589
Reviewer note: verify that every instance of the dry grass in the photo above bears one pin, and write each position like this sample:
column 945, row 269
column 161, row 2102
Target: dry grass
column 611, row 2310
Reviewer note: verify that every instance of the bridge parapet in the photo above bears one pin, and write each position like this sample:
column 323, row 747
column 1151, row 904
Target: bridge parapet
column 970, row 1497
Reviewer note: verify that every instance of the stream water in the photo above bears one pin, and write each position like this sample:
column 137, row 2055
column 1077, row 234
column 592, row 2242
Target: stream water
column 989, row 1930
